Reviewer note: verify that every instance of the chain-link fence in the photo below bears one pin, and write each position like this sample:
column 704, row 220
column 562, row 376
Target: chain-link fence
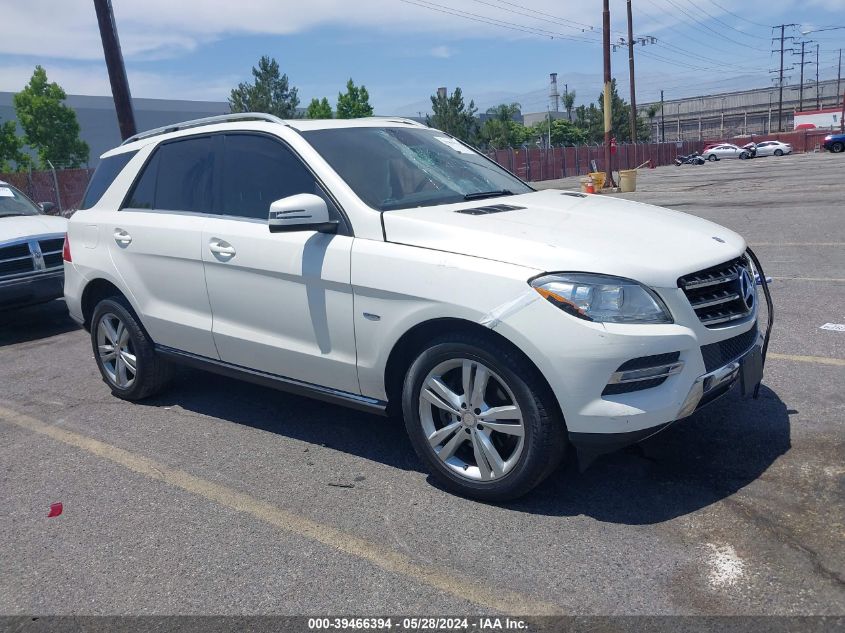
column 62, row 187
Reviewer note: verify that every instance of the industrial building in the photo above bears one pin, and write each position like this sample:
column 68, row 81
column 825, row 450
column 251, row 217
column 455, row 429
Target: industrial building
column 98, row 121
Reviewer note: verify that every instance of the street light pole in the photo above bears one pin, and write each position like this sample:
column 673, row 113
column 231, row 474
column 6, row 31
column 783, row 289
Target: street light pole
column 117, row 70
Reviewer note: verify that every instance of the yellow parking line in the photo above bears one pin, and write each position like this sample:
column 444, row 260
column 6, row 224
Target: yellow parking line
column 439, row 578
column 820, row 360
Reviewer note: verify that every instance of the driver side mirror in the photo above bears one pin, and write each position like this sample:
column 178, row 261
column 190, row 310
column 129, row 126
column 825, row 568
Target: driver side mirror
column 302, row 212
column 47, row 207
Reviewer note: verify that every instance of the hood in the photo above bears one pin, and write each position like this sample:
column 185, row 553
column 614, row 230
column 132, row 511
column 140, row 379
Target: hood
column 22, row 226
column 557, row 231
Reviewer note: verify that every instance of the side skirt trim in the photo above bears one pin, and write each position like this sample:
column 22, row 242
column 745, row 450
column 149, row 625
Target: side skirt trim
column 290, row 385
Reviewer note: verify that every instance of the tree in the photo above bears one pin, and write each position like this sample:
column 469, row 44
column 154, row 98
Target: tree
column 563, row 132
column 450, row 115
column 568, row 103
column 318, row 109
column 50, row 127
column 11, row 146
column 355, row 103
column 270, row 93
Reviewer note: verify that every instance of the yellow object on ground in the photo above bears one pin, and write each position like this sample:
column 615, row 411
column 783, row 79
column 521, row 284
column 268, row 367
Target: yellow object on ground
column 598, row 178
column 628, row 180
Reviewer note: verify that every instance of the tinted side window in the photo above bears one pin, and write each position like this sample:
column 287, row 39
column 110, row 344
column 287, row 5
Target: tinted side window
column 185, row 173
column 103, row 177
column 258, row 170
column 142, row 195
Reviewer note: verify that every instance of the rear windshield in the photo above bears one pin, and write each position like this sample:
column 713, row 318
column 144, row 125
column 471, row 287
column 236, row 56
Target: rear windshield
column 103, row 177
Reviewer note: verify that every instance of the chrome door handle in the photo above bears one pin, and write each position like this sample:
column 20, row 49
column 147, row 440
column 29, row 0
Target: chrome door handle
column 221, row 248
column 122, row 237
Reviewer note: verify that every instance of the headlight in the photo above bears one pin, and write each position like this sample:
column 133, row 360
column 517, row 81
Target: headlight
column 828, row 137
column 601, row 298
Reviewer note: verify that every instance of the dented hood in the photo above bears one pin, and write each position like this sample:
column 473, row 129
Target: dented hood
column 556, row 231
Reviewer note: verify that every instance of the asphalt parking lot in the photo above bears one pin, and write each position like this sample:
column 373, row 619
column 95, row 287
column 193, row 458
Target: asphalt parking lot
column 226, row 498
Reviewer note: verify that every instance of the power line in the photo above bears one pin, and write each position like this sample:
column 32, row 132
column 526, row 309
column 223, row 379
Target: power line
column 425, row 4
column 736, row 15
column 714, row 31
column 580, row 25
column 713, row 17
column 533, row 17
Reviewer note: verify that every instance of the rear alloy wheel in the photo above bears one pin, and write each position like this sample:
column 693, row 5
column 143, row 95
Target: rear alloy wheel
column 481, row 419
column 124, row 352
column 778, row 152
column 837, row 147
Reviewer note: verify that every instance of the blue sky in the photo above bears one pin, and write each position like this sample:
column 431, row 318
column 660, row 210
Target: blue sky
column 495, row 50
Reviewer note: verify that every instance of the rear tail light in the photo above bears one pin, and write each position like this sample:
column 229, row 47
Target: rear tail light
column 66, row 250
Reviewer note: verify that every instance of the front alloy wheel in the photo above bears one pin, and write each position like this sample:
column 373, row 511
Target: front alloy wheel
column 481, row 417
column 471, row 420
column 117, row 356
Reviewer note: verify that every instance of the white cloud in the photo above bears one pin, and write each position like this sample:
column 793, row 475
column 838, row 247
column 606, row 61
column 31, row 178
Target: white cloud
column 442, row 52
column 92, row 79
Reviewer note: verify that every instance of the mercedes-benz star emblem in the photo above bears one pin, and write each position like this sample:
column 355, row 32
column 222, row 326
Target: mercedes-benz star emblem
column 746, row 288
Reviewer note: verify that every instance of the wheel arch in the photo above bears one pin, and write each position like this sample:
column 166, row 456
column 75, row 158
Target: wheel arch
column 95, row 291
column 411, row 344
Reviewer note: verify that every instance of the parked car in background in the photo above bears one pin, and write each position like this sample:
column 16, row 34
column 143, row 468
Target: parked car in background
column 835, row 143
column 773, row 148
column 31, row 266
column 726, row 150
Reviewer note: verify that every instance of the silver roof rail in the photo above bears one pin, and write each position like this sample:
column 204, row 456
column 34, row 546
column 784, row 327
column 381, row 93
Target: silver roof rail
column 223, row 118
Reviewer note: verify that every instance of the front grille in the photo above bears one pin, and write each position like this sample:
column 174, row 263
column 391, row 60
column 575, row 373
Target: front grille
column 51, row 250
column 721, row 294
column 643, row 362
column 16, row 259
column 719, row 354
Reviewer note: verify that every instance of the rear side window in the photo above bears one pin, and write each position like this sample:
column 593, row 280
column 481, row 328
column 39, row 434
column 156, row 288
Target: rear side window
column 178, row 177
column 103, row 177
column 258, row 170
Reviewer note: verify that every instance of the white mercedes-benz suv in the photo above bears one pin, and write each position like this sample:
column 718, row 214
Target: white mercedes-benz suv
column 386, row 266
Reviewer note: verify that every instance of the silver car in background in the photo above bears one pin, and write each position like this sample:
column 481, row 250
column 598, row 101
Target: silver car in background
column 726, row 150
column 773, row 148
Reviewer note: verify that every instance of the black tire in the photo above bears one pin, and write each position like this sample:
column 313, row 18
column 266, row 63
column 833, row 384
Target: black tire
column 837, row 147
column 778, row 152
column 744, row 155
column 545, row 439
column 152, row 372
column 712, row 157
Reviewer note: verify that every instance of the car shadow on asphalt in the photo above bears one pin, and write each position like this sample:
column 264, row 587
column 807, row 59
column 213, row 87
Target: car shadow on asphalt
column 35, row 322
column 692, row 464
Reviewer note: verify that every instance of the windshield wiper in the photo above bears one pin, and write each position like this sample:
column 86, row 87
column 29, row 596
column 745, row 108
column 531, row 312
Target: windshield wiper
column 478, row 195
column 12, row 215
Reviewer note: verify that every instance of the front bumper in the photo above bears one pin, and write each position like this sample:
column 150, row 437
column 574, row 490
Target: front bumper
column 705, row 389
column 30, row 290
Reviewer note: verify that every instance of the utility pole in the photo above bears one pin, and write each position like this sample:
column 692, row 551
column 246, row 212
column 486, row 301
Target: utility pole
column 631, row 72
column 818, row 97
column 839, row 75
column 801, row 86
column 782, row 28
column 117, row 70
column 608, row 118
column 662, row 120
